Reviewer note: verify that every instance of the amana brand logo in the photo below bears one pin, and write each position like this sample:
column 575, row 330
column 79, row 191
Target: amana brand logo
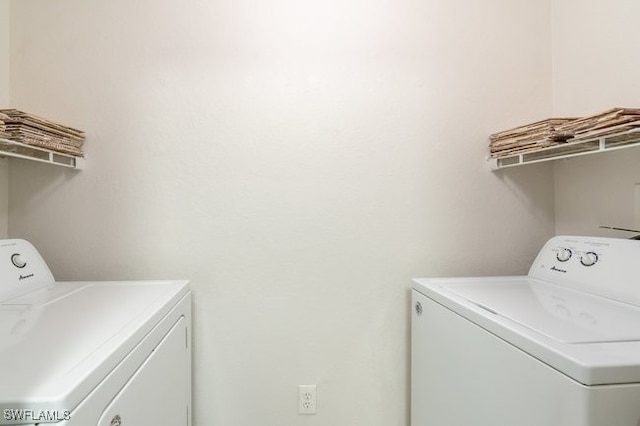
column 24, row 277
column 553, row 268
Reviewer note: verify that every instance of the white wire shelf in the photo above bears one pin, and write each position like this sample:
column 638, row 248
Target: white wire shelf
column 577, row 148
column 13, row 149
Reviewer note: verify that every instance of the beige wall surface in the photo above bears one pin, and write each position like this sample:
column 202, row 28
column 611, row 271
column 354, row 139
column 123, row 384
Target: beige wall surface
column 4, row 101
column 299, row 162
column 595, row 67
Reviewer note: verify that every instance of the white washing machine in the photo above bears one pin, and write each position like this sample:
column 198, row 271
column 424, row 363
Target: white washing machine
column 558, row 347
column 91, row 353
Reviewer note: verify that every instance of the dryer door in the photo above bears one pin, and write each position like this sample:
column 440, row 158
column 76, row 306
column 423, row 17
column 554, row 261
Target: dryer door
column 157, row 394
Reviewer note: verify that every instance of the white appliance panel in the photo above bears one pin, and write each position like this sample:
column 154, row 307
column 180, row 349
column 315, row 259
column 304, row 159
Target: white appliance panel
column 142, row 402
column 589, row 363
column 464, row 375
column 561, row 313
column 559, row 347
column 71, row 350
column 178, row 348
column 22, row 269
column 613, row 275
column 65, row 348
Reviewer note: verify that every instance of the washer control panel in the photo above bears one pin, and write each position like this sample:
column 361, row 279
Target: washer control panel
column 22, row 269
column 604, row 266
column 587, row 258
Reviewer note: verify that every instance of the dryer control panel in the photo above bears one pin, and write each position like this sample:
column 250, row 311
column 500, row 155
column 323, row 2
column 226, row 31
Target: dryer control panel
column 22, row 269
column 606, row 267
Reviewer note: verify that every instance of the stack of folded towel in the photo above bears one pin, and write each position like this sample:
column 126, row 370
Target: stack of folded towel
column 32, row 130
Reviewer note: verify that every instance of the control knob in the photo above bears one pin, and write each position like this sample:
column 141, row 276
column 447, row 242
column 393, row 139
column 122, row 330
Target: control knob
column 589, row 258
column 17, row 261
column 564, row 254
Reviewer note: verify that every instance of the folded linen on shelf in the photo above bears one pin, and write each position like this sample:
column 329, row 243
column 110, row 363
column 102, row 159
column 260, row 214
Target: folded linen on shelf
column 33, row 130
column 619, row 126
column 528, row 137
column 615, row 120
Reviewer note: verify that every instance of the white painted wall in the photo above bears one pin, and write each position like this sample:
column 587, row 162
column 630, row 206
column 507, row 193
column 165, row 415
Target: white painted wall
column 595, row 68
column 4, row 101
column 299, row 162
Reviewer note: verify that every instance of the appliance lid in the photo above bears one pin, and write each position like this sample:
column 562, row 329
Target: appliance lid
column 57, row 344
column 563, row 314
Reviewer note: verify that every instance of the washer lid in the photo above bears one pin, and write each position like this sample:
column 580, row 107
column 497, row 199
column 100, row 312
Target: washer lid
column 58, row 344
column 561, row 313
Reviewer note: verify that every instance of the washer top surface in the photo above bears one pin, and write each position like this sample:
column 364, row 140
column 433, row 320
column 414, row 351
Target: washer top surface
column 560, row 313
column 511, row 309
column 58, row 343
column 59, row 340
column 577, row 310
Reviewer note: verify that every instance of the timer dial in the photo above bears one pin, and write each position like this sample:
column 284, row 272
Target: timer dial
column 564, row 254
column 17, row 261
column 589, row 258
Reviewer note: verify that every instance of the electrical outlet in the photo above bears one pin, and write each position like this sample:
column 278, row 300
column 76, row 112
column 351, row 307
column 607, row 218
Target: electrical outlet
column 307, row 399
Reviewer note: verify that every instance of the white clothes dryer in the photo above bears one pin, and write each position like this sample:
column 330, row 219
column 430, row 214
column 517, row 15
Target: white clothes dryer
column 558, row 347
column 91, row 353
